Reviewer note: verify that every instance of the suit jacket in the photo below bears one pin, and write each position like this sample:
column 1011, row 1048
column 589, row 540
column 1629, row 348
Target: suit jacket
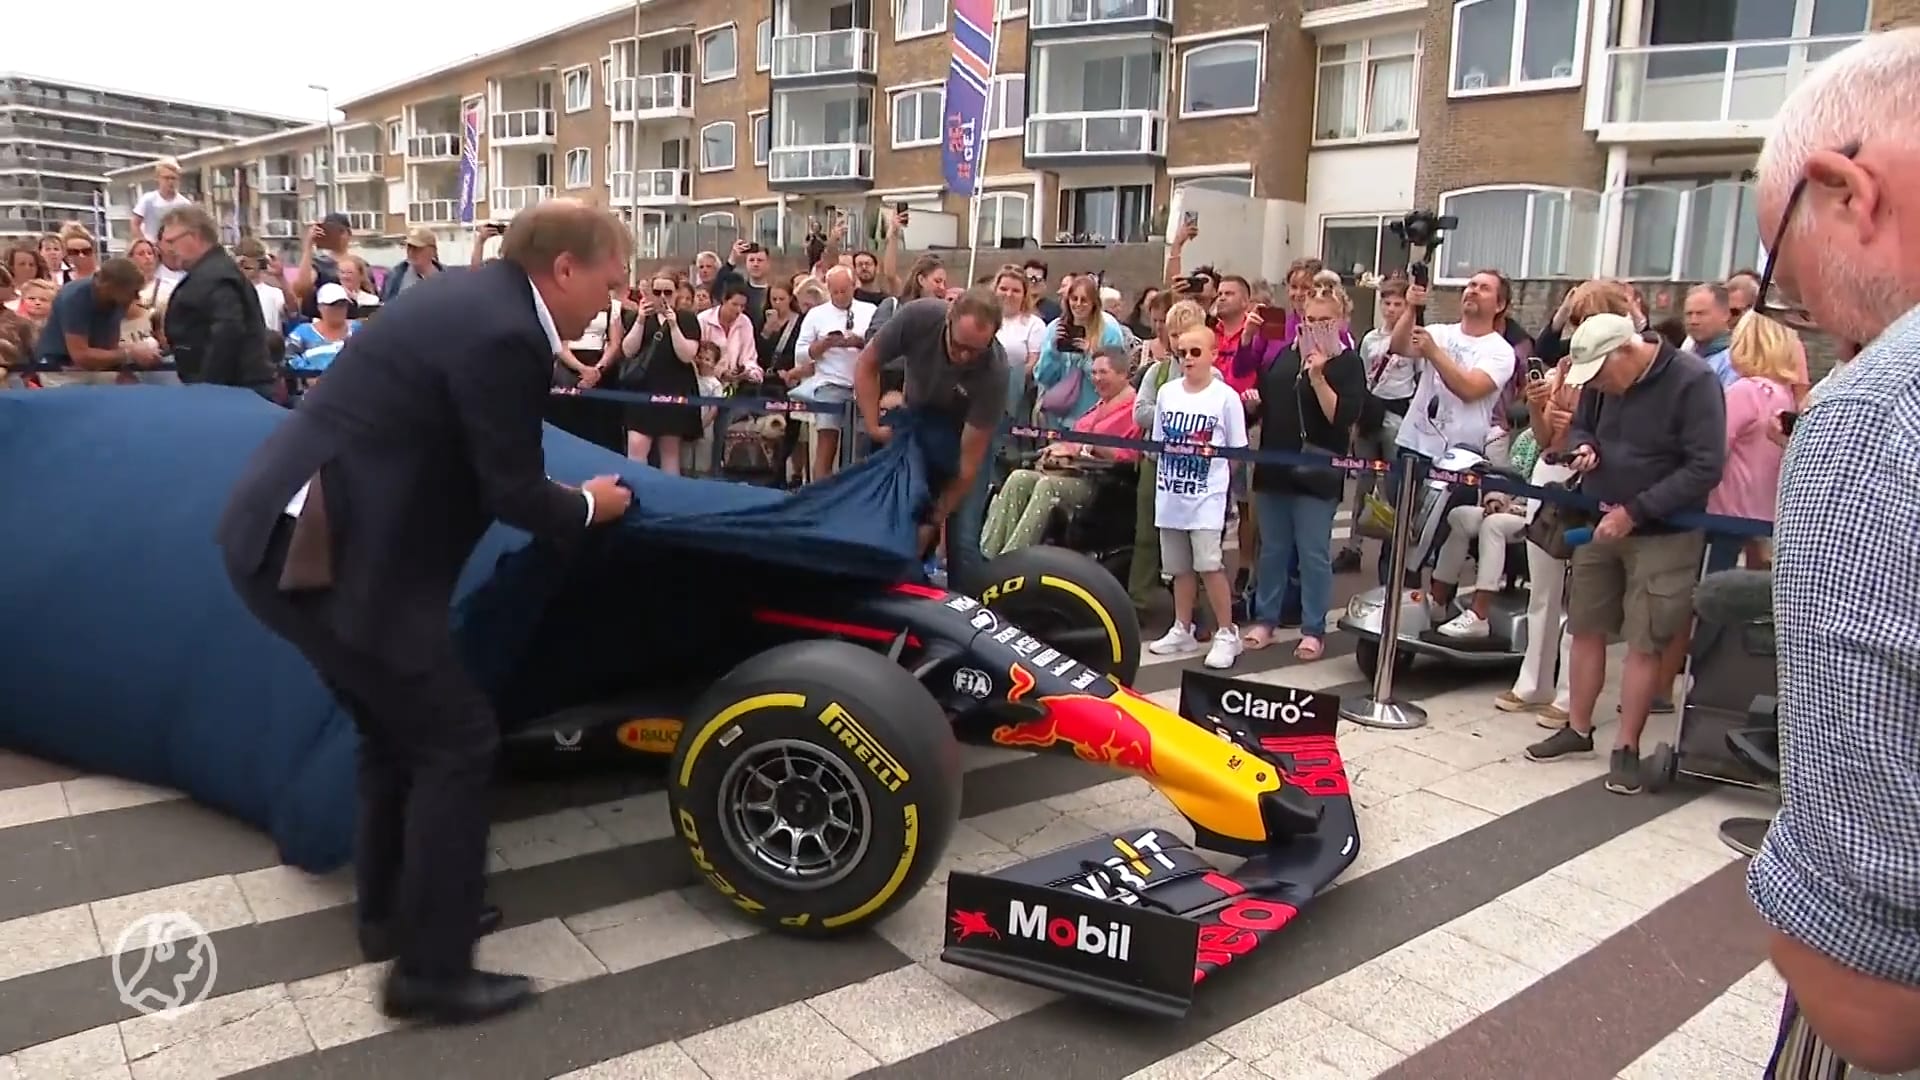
column 214, row 326
column 425, row 431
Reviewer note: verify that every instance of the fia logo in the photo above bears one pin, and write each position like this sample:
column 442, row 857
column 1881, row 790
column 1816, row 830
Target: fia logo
column 567, row 741
column 973, row 683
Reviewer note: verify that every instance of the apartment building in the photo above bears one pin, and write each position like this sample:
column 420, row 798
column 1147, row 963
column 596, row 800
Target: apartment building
column 59, row 140
column 268, row 187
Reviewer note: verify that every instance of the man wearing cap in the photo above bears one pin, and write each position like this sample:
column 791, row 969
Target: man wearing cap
column 1649, row 440
column 421, row 263
column 320, row 253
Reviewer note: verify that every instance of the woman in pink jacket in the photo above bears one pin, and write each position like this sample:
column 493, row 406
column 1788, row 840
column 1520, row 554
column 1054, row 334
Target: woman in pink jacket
column 1765, row 355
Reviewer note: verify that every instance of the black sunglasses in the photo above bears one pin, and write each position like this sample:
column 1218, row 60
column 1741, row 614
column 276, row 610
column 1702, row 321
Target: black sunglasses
column 1777, row 307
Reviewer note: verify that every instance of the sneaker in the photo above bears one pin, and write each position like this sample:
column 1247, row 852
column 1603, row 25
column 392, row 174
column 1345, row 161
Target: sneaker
column 1551, row 716
column 1563, row 743
column 1623, row 770
column 1508, row 701
column 1466, row 626
column 1225, row 649
column 1178, row 639
column 1347, row 562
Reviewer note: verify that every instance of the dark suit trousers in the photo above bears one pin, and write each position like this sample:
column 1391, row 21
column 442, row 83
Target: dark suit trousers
column 428, row 743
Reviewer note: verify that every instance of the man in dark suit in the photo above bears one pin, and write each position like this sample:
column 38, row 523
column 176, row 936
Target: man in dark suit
column 346, row 535
column 213, row 323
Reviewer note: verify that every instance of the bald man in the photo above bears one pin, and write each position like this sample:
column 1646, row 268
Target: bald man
column 1838, row 877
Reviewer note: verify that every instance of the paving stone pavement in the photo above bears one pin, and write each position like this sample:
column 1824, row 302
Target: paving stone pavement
column 1505, row 918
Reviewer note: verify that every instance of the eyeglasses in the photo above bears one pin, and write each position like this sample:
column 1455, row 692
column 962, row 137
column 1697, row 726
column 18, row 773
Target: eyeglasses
column 1194, row 352
column 87, row 250
column 1774, row 303
column 957, row 349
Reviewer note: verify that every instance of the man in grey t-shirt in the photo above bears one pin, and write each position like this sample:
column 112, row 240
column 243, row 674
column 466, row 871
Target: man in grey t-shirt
column 956, row 373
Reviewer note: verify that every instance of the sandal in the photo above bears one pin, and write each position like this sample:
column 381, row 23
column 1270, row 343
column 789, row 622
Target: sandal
column 1310, row 648
column 1257, row 637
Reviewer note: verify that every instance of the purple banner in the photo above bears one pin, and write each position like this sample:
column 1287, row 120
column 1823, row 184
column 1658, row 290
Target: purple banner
column 964, row 120
column 469, row 159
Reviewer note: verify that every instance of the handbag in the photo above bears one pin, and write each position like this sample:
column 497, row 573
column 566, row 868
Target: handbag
column 633, row 370
column 1552, row 521
column 1062, row 396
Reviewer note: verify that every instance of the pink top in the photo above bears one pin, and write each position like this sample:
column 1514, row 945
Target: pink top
column 1113, row 418
column 738, row 352
column 1751, row 483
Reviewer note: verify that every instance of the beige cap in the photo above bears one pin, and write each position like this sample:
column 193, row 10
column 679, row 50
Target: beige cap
column 421, row 237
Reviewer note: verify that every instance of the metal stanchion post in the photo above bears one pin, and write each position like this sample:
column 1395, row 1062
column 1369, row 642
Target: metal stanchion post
column 1379, row 709
column 850, row 430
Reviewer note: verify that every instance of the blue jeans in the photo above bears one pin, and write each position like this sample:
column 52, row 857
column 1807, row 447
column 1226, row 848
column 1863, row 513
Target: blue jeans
column 966, row 523
column 1290, row 526
column 1723, row 552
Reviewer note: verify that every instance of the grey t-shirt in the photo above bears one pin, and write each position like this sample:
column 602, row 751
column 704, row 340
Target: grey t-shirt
column 974, row 391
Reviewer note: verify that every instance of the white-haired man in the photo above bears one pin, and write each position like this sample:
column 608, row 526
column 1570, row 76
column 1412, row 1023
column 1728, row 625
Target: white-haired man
column 1838, row 877
column 831, row 337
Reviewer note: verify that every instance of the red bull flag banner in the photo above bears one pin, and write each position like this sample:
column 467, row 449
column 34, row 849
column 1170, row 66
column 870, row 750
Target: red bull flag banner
column 469, row 159
column 971, row 73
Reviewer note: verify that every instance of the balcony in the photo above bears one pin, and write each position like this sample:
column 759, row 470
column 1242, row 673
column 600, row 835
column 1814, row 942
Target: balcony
column 656, row 187
column 511, row 200
column 1080, row 18
column 1097, row 137
column 272, row 184
column 826, row 166
column 352, row 167
column 664, row 96
column 367, row 221
column 279, row 228
column 433, row 212
column 521, row 127
column 1702, row 93
column 441, row 146
column 826, row 56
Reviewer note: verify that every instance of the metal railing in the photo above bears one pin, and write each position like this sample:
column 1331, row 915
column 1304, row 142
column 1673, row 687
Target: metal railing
column 274, row 184
column 666, row 91
column 1045, row 14
column 366, row 221
column 434, row 146
column 510, row 199
column 1722, row 82
column 655, row 187
column 826, row 52
column 522, row 125
column 351, row 165
column 1097, row 133
column 840, row 161
column 229, row 127
column 433, row 211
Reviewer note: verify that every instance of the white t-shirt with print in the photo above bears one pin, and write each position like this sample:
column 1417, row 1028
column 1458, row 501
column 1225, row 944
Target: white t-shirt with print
column 1191, row 492
column 835, row 365
column 1431, row 429
column 273, row 305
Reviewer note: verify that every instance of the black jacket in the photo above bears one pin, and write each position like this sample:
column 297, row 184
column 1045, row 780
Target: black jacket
column 1291, row 419
column 215, row 327
column 1662, row 445
column 426, row 430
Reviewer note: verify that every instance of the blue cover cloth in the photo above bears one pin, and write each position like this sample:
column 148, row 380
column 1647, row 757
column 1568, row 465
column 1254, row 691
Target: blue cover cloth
column 128, row 653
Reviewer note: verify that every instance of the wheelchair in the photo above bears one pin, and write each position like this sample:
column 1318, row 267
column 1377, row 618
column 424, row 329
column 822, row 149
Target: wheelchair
column 1103, row 528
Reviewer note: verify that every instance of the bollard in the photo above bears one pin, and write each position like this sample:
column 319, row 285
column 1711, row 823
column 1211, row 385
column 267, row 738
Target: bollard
column 1379, row 709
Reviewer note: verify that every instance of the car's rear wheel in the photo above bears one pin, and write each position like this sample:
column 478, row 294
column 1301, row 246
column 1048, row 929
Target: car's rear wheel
column 1070, row 602
column 816, row 786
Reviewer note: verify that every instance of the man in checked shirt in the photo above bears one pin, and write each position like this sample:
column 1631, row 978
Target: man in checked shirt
column 1838, row 877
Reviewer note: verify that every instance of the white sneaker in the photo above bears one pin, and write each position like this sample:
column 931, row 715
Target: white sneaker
column 1226, row 648
column 1466, row 626
column 1178, row 639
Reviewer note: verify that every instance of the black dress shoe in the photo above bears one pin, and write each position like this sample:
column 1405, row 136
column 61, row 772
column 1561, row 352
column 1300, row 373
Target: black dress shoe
column 377, row 943
column 463, row 999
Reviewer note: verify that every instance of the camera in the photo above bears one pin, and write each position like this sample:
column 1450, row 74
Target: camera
column 1425, row 230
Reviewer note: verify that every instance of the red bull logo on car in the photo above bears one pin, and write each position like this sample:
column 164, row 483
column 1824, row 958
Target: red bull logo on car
column 1097, row 729
column 1113, row 941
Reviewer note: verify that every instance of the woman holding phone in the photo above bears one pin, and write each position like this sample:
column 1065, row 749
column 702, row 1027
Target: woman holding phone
column 1308, row 400
column 1064, row 370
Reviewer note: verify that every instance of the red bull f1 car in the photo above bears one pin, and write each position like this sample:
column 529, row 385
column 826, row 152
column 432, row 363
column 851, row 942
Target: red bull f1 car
column 815, row 775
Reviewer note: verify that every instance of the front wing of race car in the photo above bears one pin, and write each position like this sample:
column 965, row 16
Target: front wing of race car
column 1138, row 919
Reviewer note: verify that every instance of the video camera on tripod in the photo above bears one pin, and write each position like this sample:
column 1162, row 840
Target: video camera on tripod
column 1421, row 233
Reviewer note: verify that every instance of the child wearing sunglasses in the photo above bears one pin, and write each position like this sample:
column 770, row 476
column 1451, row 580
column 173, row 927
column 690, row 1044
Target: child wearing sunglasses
column 1190, row 494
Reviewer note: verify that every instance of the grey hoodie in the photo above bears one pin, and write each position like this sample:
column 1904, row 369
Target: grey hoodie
column 1662, row 444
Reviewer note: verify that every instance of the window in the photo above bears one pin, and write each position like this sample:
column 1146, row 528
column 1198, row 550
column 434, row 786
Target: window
column 1013, row 9
column 1686, row 228
column 716, row 147
column 763, row 45
column 762, row 137
column 916, row 117
column 1517, row 44
column 578, row 85
column 396, row 137
column 606, row 78
column 579, row 167
column 1230, row 185
column 716, row 221
column 306, row 166
column 1114, row 215
column 1007, row 106
column 766, row 227
column 1368, row 88
column 918, row 18
column 1002, row 218
column 1523, row 230
column 718, row 59
column 1357, row 244
column 1220, row 78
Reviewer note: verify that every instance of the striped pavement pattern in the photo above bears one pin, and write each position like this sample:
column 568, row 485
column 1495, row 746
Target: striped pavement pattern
column 1504, row 919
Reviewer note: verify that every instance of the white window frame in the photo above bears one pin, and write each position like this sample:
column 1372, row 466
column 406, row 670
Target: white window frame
column 1201, row 182
column 701, row 42
column 999, row 92
column 1524, row 269
column 306, row 166
column 1009, row 10
column 762, row 150
column 763, row 45
column 718, row 219
column 1686, row 190
column 585, row 157
column 920, row 93
column 733, row 146
column 753, row 222
column 1259, row 43
column 1365, row 65
column 396, row 135
column 999, row 197
column 1378, row 221
column 900, row 31
column 1519, row 85
column 585, row 71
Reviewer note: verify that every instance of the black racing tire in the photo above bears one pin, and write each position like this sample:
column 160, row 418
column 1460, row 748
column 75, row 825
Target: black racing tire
column 1070, row 602
column 1366, row 656
column 832, row 741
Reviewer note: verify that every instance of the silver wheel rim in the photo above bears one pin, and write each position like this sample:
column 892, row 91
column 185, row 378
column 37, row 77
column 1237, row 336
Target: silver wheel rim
column 795, row 814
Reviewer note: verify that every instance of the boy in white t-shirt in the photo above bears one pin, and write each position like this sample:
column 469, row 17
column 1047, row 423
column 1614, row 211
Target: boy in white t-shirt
column 1190, row 495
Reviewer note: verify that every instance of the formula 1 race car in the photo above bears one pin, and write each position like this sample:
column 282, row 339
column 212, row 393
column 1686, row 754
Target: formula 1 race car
column 817, row 781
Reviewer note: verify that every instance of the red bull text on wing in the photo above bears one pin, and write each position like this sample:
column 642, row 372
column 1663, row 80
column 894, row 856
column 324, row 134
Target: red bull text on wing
column 1098, row 730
